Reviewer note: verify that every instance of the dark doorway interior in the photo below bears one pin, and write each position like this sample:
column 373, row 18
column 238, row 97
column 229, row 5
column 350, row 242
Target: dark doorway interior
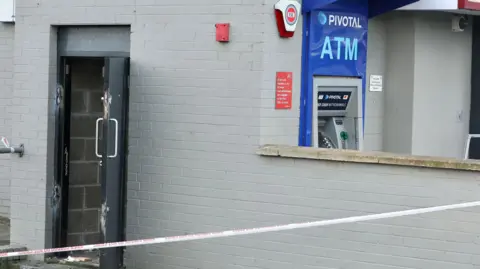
column 84, row 201
column 474, row 152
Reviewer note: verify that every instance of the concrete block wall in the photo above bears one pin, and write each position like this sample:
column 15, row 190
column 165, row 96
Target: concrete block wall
column 209, row 195
column 85, row 192
column 6, row 86
column 278, row 126
column 189, row 93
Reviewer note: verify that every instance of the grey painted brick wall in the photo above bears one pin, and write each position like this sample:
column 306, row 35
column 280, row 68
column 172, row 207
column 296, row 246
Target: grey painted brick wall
column 212, row 195
column 278, row 126
column 6, row 84
column 198, row 111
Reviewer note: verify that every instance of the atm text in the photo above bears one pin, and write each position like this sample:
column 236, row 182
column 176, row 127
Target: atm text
column 350, row 48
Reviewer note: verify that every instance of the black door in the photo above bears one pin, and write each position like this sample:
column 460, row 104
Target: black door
column 59, row 200
column 111, row 147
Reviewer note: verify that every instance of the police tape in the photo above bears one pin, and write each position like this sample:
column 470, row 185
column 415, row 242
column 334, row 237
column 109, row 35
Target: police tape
column 278, row 228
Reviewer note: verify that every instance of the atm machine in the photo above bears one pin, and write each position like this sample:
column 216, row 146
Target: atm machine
column 337, row 113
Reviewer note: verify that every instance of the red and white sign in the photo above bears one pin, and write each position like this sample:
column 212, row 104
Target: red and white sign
column 283, row 90
column 469, row 4
column 287, row 13
column 461, row 6
column 291, row 15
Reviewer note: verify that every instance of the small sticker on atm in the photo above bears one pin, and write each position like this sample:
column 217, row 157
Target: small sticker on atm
column 320, row 97
column 345, row 97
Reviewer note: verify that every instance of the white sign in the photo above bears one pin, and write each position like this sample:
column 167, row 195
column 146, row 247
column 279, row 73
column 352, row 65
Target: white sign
column 7, row 10
column 376, row 83
column 290, row 10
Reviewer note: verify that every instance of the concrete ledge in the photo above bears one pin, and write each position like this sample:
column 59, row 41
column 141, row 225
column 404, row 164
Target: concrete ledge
column 366, row 157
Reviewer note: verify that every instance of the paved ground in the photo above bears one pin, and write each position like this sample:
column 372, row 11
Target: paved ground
column 4, row 234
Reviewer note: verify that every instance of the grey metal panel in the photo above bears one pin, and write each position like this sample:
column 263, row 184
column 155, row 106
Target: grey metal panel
column 95, row 54
column 94, row 41
column 113, row 168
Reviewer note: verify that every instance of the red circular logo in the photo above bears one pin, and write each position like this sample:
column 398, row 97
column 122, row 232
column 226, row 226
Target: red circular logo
column 291, row 14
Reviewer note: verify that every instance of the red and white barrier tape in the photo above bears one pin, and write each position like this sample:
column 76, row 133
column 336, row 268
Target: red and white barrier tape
column 191, row 237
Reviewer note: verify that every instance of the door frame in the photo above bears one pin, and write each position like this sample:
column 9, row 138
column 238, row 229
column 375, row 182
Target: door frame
column 59, row 199
column 60, row 187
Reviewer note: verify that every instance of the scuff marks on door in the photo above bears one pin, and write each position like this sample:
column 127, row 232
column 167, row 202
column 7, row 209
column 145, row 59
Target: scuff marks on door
column 56, row 198
column 103, row 217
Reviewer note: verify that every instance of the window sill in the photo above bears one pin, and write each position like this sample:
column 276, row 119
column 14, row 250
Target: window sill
column 367, row 157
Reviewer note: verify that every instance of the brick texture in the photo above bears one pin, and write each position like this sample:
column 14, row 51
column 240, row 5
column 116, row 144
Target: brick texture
column 6, row 86
column 84, row 195
column 217, row 195
column 198, row 109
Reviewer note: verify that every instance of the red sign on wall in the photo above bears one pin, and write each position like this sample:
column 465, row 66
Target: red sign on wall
column 469, row 4
column 283, row 90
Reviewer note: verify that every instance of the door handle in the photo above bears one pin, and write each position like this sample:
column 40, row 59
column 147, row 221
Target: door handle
column 96, row 137
column 116, row 139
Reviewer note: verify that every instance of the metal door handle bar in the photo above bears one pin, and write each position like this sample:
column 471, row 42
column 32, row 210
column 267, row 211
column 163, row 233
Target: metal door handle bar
column 96, row 137
column 116, row 139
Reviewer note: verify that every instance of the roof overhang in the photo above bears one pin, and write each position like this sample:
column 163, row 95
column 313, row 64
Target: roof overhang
column 458, row 6
column 375, row 7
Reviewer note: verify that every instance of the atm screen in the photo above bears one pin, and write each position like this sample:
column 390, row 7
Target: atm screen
column 333, row 100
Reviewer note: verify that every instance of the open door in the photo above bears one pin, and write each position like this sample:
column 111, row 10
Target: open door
column 62, row 149
column 111, row 147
